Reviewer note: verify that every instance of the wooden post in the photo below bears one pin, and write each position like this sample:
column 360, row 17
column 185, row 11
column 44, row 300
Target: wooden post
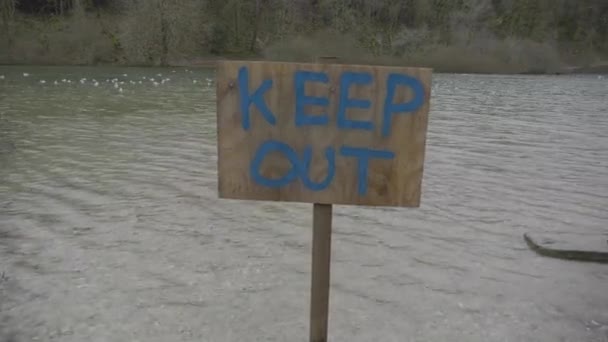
column 321, row 260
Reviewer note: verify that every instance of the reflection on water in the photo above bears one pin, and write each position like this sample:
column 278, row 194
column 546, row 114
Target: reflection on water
column 110, row 226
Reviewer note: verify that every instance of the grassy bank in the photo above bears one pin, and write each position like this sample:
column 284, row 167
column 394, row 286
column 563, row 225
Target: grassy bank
column 158, row 32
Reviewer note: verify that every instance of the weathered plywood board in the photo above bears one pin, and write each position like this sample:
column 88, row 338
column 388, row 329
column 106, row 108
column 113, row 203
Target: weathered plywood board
column 322, row 133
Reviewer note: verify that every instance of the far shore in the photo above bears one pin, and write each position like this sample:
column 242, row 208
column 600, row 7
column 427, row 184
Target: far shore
column 210, row 62
column 596, row 68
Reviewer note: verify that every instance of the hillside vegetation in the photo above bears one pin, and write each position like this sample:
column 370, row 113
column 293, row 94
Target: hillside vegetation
column 448, row 35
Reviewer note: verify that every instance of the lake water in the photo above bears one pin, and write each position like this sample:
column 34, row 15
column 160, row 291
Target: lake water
column 111, row 228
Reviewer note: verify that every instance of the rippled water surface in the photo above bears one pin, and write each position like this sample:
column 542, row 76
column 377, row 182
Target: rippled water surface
column 111, row 229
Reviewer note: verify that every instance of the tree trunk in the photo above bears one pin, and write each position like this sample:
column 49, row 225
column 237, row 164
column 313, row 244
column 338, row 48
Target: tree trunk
column 314, row 12
column 256, row 26
column 8, row 12
column 164, row 31
column 77, row 6
column 237, row 31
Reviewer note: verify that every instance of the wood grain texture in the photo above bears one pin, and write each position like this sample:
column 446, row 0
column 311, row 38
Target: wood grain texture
column 320, row 275
column 395, row 182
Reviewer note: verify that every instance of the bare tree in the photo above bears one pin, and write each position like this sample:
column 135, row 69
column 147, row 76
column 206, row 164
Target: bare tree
column 256, row 25
column 7, row 10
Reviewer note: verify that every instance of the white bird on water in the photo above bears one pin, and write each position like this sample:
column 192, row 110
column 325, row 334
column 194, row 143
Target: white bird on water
column 55, row 83
column 25, row 74
column 120, row 90
column 1, row 77
column 96, row 84
column 42, row 81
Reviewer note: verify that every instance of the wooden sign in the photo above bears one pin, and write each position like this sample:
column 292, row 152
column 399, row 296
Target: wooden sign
column 325, row 134
column 322, row 133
